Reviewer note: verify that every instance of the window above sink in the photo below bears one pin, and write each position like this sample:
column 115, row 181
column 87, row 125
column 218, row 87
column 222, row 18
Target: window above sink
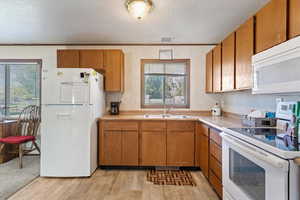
column 165, row 83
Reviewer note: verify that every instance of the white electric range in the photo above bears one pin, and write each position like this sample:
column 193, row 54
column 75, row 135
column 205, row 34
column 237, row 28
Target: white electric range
column 258, row 164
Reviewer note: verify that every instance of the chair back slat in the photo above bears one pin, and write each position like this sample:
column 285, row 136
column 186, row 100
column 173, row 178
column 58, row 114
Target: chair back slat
column 29, row 121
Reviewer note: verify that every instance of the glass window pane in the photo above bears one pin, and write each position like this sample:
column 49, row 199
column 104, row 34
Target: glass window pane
column 154, row 68
column 2, row 89
column 175, row 92
column 176, row 68
column 154, row 89
column 247, row 175
column 24, row 87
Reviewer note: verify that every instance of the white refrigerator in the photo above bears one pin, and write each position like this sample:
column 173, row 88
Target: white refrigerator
column 72, row 101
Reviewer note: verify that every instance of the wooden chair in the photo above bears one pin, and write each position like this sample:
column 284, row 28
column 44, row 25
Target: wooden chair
column 26, row 131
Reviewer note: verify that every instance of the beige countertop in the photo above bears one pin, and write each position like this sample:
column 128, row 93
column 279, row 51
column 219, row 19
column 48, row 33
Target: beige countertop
column 215, row 122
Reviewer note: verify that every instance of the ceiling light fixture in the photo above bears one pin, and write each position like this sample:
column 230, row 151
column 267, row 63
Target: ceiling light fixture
column 139, row 8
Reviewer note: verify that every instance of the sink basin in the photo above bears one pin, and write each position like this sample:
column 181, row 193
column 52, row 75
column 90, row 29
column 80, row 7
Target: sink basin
column 166, row 116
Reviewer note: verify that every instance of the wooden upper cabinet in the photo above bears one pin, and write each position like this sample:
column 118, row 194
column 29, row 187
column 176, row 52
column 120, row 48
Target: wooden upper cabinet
column 209, row 72
column 228, row 63
column 244, row 52
column 217, row 68
column 91, row 59
column 271, row 25
column 67, row 58
column 114, row 70
column 294, row 18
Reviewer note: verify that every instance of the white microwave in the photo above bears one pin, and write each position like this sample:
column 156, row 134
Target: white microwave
column 277, row 70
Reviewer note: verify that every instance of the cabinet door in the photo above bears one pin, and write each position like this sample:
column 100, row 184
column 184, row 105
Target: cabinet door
column 228, row 63
column 67, row 58
column 244, row 52
column 112, row 147
column 153, row 148
column 294, row 18
column 216, row 183
column 130, row 148
column 197, row 144
column 271, row 25
column 180, row 148
column 114, row 70
column 217, row 68
column 204, row 154
column 91, row 59
column 209, row 72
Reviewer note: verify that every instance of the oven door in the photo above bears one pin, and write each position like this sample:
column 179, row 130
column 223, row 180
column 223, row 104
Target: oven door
column 249, row 173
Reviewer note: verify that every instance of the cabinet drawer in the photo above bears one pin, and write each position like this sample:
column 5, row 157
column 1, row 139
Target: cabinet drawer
column 215, row 136
column 121, row 125
column 216, row 183
column 203, row 129
column 216, row 167
column 204, row 155
column 153, row 126
column 181, row 126
column 216, row 151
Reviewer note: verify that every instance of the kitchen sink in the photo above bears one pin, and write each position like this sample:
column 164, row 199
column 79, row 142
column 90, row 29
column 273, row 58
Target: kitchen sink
column 166, row 116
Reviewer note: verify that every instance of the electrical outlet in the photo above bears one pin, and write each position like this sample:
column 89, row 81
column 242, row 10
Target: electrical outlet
column 278, row 100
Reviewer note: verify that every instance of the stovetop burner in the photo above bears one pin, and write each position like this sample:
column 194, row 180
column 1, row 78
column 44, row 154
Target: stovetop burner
column 272, row 136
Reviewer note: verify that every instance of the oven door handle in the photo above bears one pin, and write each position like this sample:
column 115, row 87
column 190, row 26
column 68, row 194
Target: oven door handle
column 257, row 153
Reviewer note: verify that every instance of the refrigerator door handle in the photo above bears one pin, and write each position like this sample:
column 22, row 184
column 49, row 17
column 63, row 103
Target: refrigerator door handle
column 63, row 115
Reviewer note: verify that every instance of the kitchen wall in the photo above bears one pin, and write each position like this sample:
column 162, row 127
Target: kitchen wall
column 131, row 97
column 242, row 102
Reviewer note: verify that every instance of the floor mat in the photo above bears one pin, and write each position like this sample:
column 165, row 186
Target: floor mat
column 170, row 177
column 12, row 178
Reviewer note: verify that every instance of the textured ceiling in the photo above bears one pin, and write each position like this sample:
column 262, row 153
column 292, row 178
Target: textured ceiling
column 107, row 21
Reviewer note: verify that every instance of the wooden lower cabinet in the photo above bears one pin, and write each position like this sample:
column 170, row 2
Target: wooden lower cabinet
column 147, row 143
column 180, row 143
column 162, row 143
column 215, row 150
column 121, row 148
column 180, row 148
column 215, row 167
column 130, row 148
column 204, row 148
column 215, row 161
column 210, row 155
column 215, row 183
column 204, row 153
column 118, row 143
column 112, row 148
column 153, row 148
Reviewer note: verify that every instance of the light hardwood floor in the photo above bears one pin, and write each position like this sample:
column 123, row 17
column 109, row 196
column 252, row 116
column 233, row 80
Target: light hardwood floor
column 113, row 185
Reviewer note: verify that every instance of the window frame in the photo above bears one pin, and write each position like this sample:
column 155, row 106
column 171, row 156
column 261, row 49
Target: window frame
column 148, row 61
column 19, row 61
